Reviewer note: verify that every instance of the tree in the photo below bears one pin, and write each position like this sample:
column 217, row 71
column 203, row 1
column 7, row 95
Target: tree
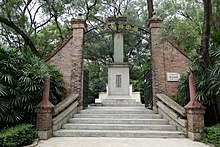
column 206, row 61
column 204, row 50
column 26, row 38
column 22, row 20
column 181, row 24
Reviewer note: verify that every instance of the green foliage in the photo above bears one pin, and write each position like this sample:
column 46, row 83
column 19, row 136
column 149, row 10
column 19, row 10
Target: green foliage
column 43, row 22
column 183, row 90
column 182, row 22
column 21, row 85
column 207, row 86
column 207, row 80
column 19, row 135
column 212, row 135
column 137, row 76
column 97, row 80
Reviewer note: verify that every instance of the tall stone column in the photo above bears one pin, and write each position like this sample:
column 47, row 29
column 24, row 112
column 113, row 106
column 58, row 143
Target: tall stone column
column 78, row 26
column 157, row 59
column 118, row 47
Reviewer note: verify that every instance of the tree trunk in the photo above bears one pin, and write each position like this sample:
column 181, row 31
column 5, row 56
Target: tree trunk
column 218, row 106
column 204, row 50
column 150, row 8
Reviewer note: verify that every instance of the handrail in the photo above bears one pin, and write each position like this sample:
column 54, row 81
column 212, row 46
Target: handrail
column 65, row 113
column 172, row 114
column 64, row 110
column 172, row 104
column 172, row 111
column 66, row 102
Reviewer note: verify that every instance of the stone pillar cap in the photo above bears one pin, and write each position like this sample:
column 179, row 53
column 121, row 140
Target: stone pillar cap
column 155, row 18
column 78, row 20
column 45, row 104
column 194, row 104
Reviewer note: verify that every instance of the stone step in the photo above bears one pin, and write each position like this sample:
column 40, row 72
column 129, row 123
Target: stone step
column 117, row 121
column 118, row 127
column 117, row 133
column 116, row 108
column 119, row 116
column 115, row 111
column 120, row 102
column 123, row 104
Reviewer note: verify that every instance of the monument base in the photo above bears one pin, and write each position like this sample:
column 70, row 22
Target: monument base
column 134, row 95
column 118, row 79
column 120, row 102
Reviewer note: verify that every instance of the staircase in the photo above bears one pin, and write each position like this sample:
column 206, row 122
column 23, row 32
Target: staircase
column 118, row 118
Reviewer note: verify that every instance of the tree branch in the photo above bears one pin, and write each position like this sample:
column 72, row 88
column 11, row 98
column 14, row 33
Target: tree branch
column 26, row 6
column 90, row 8
column 26, row 38
column 186, row 15
column 37, row 27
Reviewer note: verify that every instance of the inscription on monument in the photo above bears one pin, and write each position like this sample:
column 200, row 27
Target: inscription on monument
column 118, row 81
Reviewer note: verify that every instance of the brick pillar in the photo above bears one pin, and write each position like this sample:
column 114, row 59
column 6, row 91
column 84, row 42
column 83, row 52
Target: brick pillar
column 157, row 59
column 78, row 26
column 44, row 113
column 195, row 113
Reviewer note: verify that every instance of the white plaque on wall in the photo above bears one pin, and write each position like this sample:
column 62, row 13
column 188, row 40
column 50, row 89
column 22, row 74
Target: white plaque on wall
column 173, row 77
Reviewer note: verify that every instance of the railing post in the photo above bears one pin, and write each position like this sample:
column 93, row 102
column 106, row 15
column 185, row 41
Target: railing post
column 44, row 113
column 195, row 112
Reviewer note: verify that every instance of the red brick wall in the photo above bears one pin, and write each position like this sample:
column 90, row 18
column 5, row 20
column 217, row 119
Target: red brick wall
column 165, row 58
column 62, row 61
column 174, row 61
column 69, row 59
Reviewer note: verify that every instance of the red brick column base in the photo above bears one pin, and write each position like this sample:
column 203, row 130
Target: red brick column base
column 44, row 122
column 44, row 113
column 195, row 117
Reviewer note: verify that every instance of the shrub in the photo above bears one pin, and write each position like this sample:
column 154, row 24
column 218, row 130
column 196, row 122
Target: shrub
column 207, row 81
column 183, row 90
column 212, row 135
column 21, row 86
column 19, row 135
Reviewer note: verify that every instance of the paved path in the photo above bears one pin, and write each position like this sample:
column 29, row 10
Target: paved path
column 118, row 142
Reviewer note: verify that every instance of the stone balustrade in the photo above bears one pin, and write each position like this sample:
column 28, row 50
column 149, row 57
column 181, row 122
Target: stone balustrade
column 189, row 118
column 172, row 111
column 65, row 110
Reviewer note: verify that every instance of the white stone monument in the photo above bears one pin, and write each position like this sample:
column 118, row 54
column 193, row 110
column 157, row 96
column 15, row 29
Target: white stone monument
column 118, row 86
column 118, row 71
